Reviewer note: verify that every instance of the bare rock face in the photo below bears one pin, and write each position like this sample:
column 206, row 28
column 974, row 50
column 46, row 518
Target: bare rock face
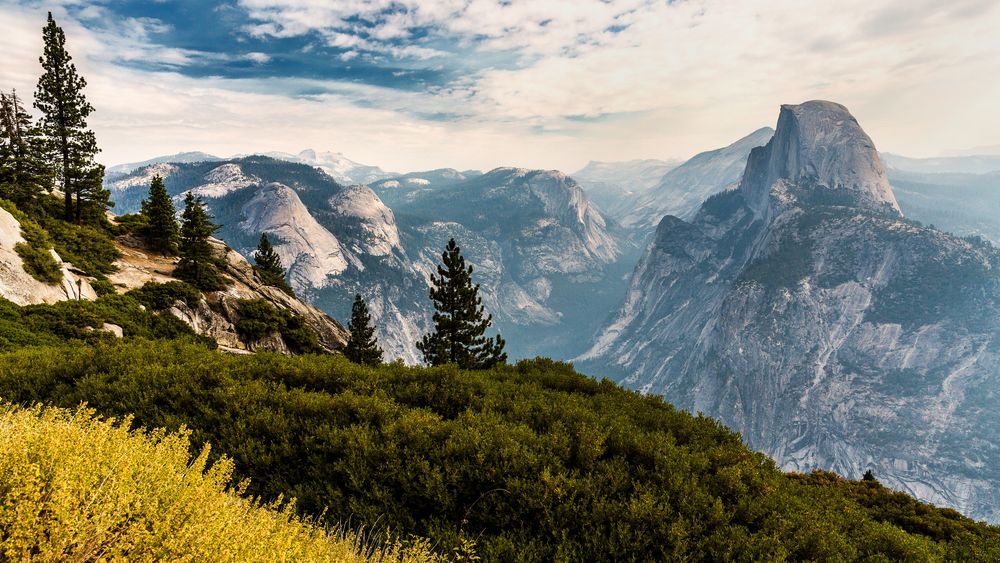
column 818, row 143
column 18, row 286
column 332, row 335
column 313, row 254
column 803, row 311
column 206, row 322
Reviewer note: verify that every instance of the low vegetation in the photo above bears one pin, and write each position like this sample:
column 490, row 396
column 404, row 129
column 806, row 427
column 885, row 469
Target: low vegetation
column 162, row 296
column 258, row 319
column 81, row 322
column 533, row 461
column 87, row 247
column 75, row 487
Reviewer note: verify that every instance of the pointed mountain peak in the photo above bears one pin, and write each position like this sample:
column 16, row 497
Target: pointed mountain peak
column 819, row 143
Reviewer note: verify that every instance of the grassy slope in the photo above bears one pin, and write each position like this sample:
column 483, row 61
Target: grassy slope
column 74, row 487
column 534, row 461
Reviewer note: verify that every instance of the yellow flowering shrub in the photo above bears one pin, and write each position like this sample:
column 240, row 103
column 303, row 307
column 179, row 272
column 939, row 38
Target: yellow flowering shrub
column 75, row 487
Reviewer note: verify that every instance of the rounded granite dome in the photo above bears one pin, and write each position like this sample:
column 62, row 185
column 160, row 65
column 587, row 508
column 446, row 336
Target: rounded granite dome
column 820, row 143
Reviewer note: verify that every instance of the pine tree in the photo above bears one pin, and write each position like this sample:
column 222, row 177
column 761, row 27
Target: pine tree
column 362, row 346
column 197, row 264
column 459, row 319
column 268, row 266
column 24, row 171
column 161, row 230
column 64, row 123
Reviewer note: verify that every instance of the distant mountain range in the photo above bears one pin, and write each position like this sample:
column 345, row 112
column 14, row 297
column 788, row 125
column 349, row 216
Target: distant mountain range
column 681, row 190
column 972, row 164
column 549, row 262
column 336, row 165
column 195, row 156
column 612, row 185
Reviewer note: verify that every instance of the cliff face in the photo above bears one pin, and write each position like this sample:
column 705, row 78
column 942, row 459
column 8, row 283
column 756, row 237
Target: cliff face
column 805, row 312
column 818, row 143
column 681, row 190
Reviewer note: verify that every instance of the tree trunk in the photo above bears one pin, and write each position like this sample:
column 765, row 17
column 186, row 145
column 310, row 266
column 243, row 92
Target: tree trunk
column 64, row 147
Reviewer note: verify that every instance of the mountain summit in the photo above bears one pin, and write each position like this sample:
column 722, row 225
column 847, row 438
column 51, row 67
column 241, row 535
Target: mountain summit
column 819, row 144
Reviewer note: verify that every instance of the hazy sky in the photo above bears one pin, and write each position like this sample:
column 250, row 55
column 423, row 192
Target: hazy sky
column 417, row 84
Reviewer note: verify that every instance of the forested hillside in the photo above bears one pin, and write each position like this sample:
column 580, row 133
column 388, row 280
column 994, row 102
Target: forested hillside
column 532, row 462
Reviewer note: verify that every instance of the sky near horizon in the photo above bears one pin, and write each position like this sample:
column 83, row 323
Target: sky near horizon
column 418, row 84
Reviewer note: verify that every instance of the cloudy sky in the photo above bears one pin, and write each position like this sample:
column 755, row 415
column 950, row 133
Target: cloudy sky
column 416, row 84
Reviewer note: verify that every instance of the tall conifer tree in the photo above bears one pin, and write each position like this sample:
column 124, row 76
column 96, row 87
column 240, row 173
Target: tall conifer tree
column 24, row 170
column 267, row 263
column 161, row 231
column 459, row 319
column 362, row 346
column 197, row 265
column 64, row 123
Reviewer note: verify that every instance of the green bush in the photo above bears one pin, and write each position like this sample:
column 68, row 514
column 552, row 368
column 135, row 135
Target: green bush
column 76, row 320
column 89, row 247
column 299, row 337
column 535, row 461
column 103, row 287
column 39, row 263
column 132, row 223
column 162, row 296
column 259, row 318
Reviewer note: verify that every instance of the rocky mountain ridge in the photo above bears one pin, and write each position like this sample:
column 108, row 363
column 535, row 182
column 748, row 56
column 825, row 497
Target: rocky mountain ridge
column 336, row 165
column 215, row 315
column 805, row 312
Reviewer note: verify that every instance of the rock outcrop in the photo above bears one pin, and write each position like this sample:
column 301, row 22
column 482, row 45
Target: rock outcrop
column 805, row 312
column 818, row 143
column 18, row 286
column 216, row 314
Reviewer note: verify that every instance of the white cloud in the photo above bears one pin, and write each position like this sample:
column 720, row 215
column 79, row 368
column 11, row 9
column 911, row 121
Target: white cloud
column 259, row 58
column 676, row 78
